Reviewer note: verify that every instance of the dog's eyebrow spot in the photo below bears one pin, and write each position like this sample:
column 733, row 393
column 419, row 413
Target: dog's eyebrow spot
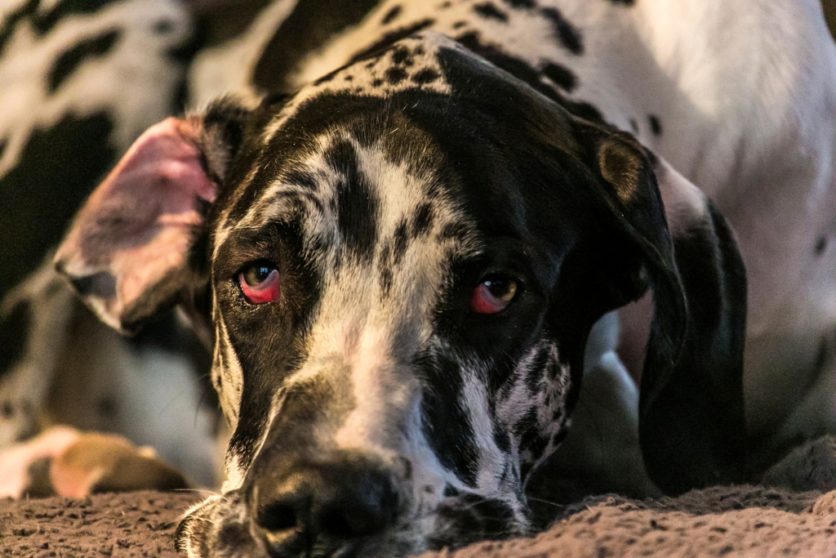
column 357, row 204
column 422, row 220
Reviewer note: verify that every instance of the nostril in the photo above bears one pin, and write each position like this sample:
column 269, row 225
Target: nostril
column 336, row 523
column 359, row 509
column 278, row 517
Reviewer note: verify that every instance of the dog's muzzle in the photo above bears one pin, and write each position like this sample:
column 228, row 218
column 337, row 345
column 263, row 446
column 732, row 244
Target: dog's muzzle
column 327, row 504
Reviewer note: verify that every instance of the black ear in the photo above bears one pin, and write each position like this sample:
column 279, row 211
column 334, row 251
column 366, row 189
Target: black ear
column 691, row 408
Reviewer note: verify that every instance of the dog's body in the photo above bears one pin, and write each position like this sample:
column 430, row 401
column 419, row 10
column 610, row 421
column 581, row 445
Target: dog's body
column 450, row 211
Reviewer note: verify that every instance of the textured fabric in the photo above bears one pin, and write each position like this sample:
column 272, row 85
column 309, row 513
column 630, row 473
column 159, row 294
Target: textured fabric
column 719, row 521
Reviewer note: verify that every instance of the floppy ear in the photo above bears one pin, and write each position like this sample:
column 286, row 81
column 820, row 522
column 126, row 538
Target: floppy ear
column 691, row 407
column 128, row 248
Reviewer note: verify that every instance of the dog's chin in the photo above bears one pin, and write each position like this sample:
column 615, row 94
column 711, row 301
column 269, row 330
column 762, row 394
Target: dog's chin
column 221, row 526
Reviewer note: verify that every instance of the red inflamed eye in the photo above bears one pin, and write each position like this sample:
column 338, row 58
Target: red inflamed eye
column 260, row 283
column 493, row 294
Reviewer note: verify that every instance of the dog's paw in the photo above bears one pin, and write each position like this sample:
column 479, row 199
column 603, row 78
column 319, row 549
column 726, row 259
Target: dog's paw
column 810, row 466
column 217, row 527
column 107, row 463
column 67, row 462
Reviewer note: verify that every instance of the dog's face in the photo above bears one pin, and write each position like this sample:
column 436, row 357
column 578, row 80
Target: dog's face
column 399, row 278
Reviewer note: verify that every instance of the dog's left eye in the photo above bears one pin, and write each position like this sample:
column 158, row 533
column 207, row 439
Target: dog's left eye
column 259, row 282
column 494, row 294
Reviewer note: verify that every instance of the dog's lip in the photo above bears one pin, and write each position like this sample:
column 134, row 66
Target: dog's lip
column 296, row 542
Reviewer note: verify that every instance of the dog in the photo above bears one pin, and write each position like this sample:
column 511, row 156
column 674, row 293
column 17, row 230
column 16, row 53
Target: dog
column 402, row 259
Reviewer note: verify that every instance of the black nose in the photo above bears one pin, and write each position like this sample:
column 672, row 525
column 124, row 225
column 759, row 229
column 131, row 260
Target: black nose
column 324, row 503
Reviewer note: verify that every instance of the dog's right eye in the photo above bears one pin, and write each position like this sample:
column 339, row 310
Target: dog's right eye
column 259, row 283
column 493, row 294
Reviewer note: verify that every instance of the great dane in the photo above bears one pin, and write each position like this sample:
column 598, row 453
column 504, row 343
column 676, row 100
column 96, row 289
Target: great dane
column 403, row 230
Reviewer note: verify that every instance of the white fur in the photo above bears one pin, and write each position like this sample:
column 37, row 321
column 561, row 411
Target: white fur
column 95, row 84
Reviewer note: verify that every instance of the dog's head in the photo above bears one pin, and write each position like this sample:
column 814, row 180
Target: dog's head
column 399, row 266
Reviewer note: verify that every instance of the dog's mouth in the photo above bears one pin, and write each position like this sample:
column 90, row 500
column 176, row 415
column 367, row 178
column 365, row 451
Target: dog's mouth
column 222, row 526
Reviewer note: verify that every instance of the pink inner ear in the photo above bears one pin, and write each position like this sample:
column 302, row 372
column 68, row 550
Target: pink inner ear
column 138, row 224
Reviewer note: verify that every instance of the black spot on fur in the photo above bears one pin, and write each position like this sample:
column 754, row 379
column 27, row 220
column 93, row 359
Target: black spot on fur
column 327, row 77
column 76, row 55
column 3, row 144
column 400, row 55
column 395, row 75
column 43, row 21
column 524, row 71
column 385, row 281
column 377, row 82
column 391, row 15
column 561, row 76
column 392, row 37
column 426, row 75
column 163, row 26
column 488, row 10
column 310, row 25
column 503, row 441
column 537, row 372
column 818, row 250
column 634, row 125
column 11, row 21
column 299, row 177
column 459, row 24
column 33, row 213
column 446, row 425
column 655, row 124
column 623, row 2
column 422, row 220
column 400, row 240
column 357, row 206
column 521, row 4
column 568, row 35
column 13, row 330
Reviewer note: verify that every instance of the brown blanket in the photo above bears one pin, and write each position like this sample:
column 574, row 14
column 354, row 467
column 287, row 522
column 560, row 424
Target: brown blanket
column 720, row 521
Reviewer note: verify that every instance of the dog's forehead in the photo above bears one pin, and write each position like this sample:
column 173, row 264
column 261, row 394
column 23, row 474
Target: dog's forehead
column 339, row 146
column 410, row 63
